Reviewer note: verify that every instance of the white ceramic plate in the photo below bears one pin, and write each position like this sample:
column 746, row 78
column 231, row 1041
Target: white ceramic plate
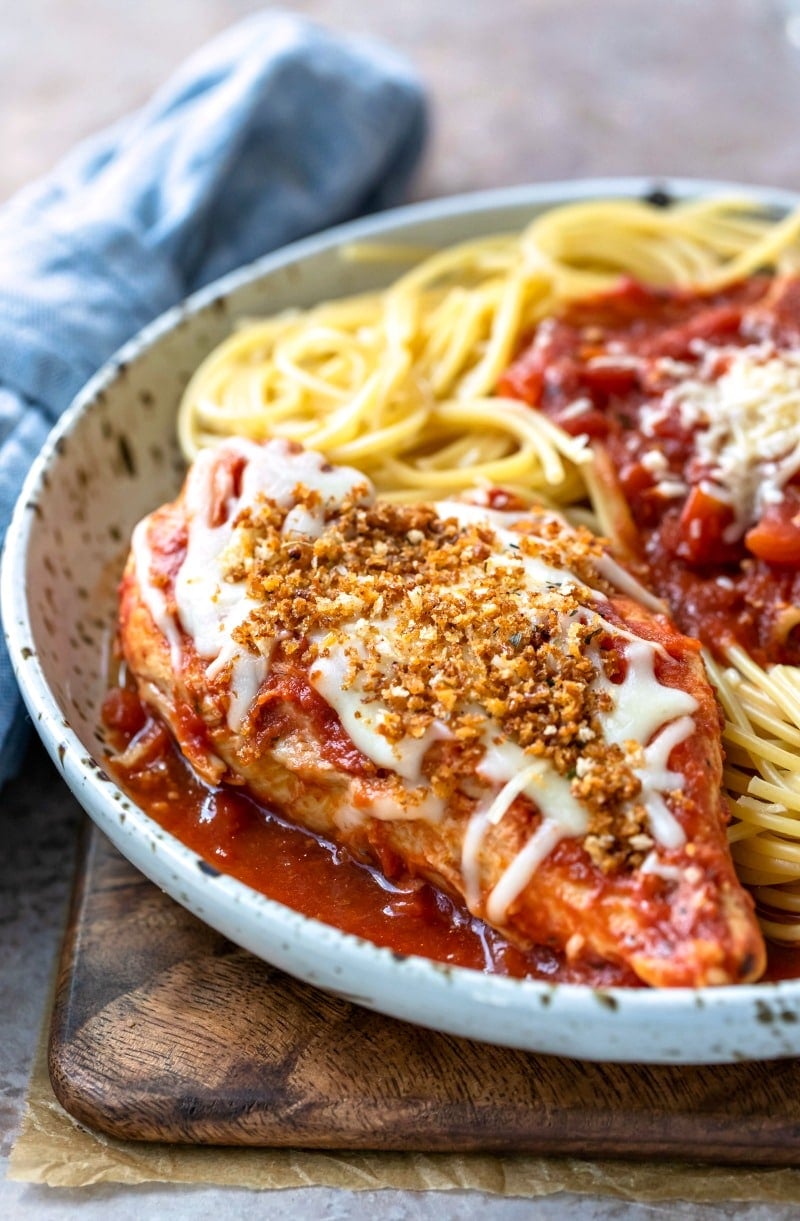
column 113, row 458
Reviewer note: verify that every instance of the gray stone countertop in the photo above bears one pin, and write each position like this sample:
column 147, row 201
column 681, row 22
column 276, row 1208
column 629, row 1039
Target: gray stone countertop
column 522, row 90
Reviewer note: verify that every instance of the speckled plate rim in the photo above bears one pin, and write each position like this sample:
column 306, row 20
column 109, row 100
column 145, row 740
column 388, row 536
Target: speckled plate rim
column 757, row 1021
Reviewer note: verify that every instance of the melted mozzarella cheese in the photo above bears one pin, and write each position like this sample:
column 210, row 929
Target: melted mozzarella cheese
column 642, row 706
column 363, row 718
column 524, row 865
column 507, row 764
column 622, row 580
column 563, row 814
column 153, row 595
column 656, row 780
column 641, row 703
column 210, row 607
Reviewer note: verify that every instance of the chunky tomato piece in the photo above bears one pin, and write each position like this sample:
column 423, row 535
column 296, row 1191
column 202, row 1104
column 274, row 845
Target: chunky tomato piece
column 634, row 478
column 609, row 379
column 703, row 522
column 588, row 424
column 776, row 538
column 715, row 324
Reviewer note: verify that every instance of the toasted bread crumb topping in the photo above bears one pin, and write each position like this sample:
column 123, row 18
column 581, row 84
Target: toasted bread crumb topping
column 494, row 635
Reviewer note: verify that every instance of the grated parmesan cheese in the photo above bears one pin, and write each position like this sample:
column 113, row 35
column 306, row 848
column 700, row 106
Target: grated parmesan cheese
column 747, row 426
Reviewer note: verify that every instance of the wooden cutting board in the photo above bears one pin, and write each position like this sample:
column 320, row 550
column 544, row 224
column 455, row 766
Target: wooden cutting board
column 165, row 1031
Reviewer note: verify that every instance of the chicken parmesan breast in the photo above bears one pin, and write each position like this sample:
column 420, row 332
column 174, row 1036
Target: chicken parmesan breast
column 463, row 693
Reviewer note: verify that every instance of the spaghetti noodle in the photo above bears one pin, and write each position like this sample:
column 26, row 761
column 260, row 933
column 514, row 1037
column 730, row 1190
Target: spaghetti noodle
column 398, row 382
column 403, row 384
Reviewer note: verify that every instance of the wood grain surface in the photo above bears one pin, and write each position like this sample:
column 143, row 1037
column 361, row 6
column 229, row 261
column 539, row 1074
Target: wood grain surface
column 163, row 1030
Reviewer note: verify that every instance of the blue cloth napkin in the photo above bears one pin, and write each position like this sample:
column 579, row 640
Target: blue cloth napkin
column 273, row 130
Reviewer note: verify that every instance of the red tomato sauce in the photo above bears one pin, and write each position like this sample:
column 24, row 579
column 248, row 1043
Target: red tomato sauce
column 236, row 835
column 622, row 354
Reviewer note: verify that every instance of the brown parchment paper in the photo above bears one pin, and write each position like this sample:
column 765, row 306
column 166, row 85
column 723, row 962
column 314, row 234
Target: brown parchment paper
column 54, row 1149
